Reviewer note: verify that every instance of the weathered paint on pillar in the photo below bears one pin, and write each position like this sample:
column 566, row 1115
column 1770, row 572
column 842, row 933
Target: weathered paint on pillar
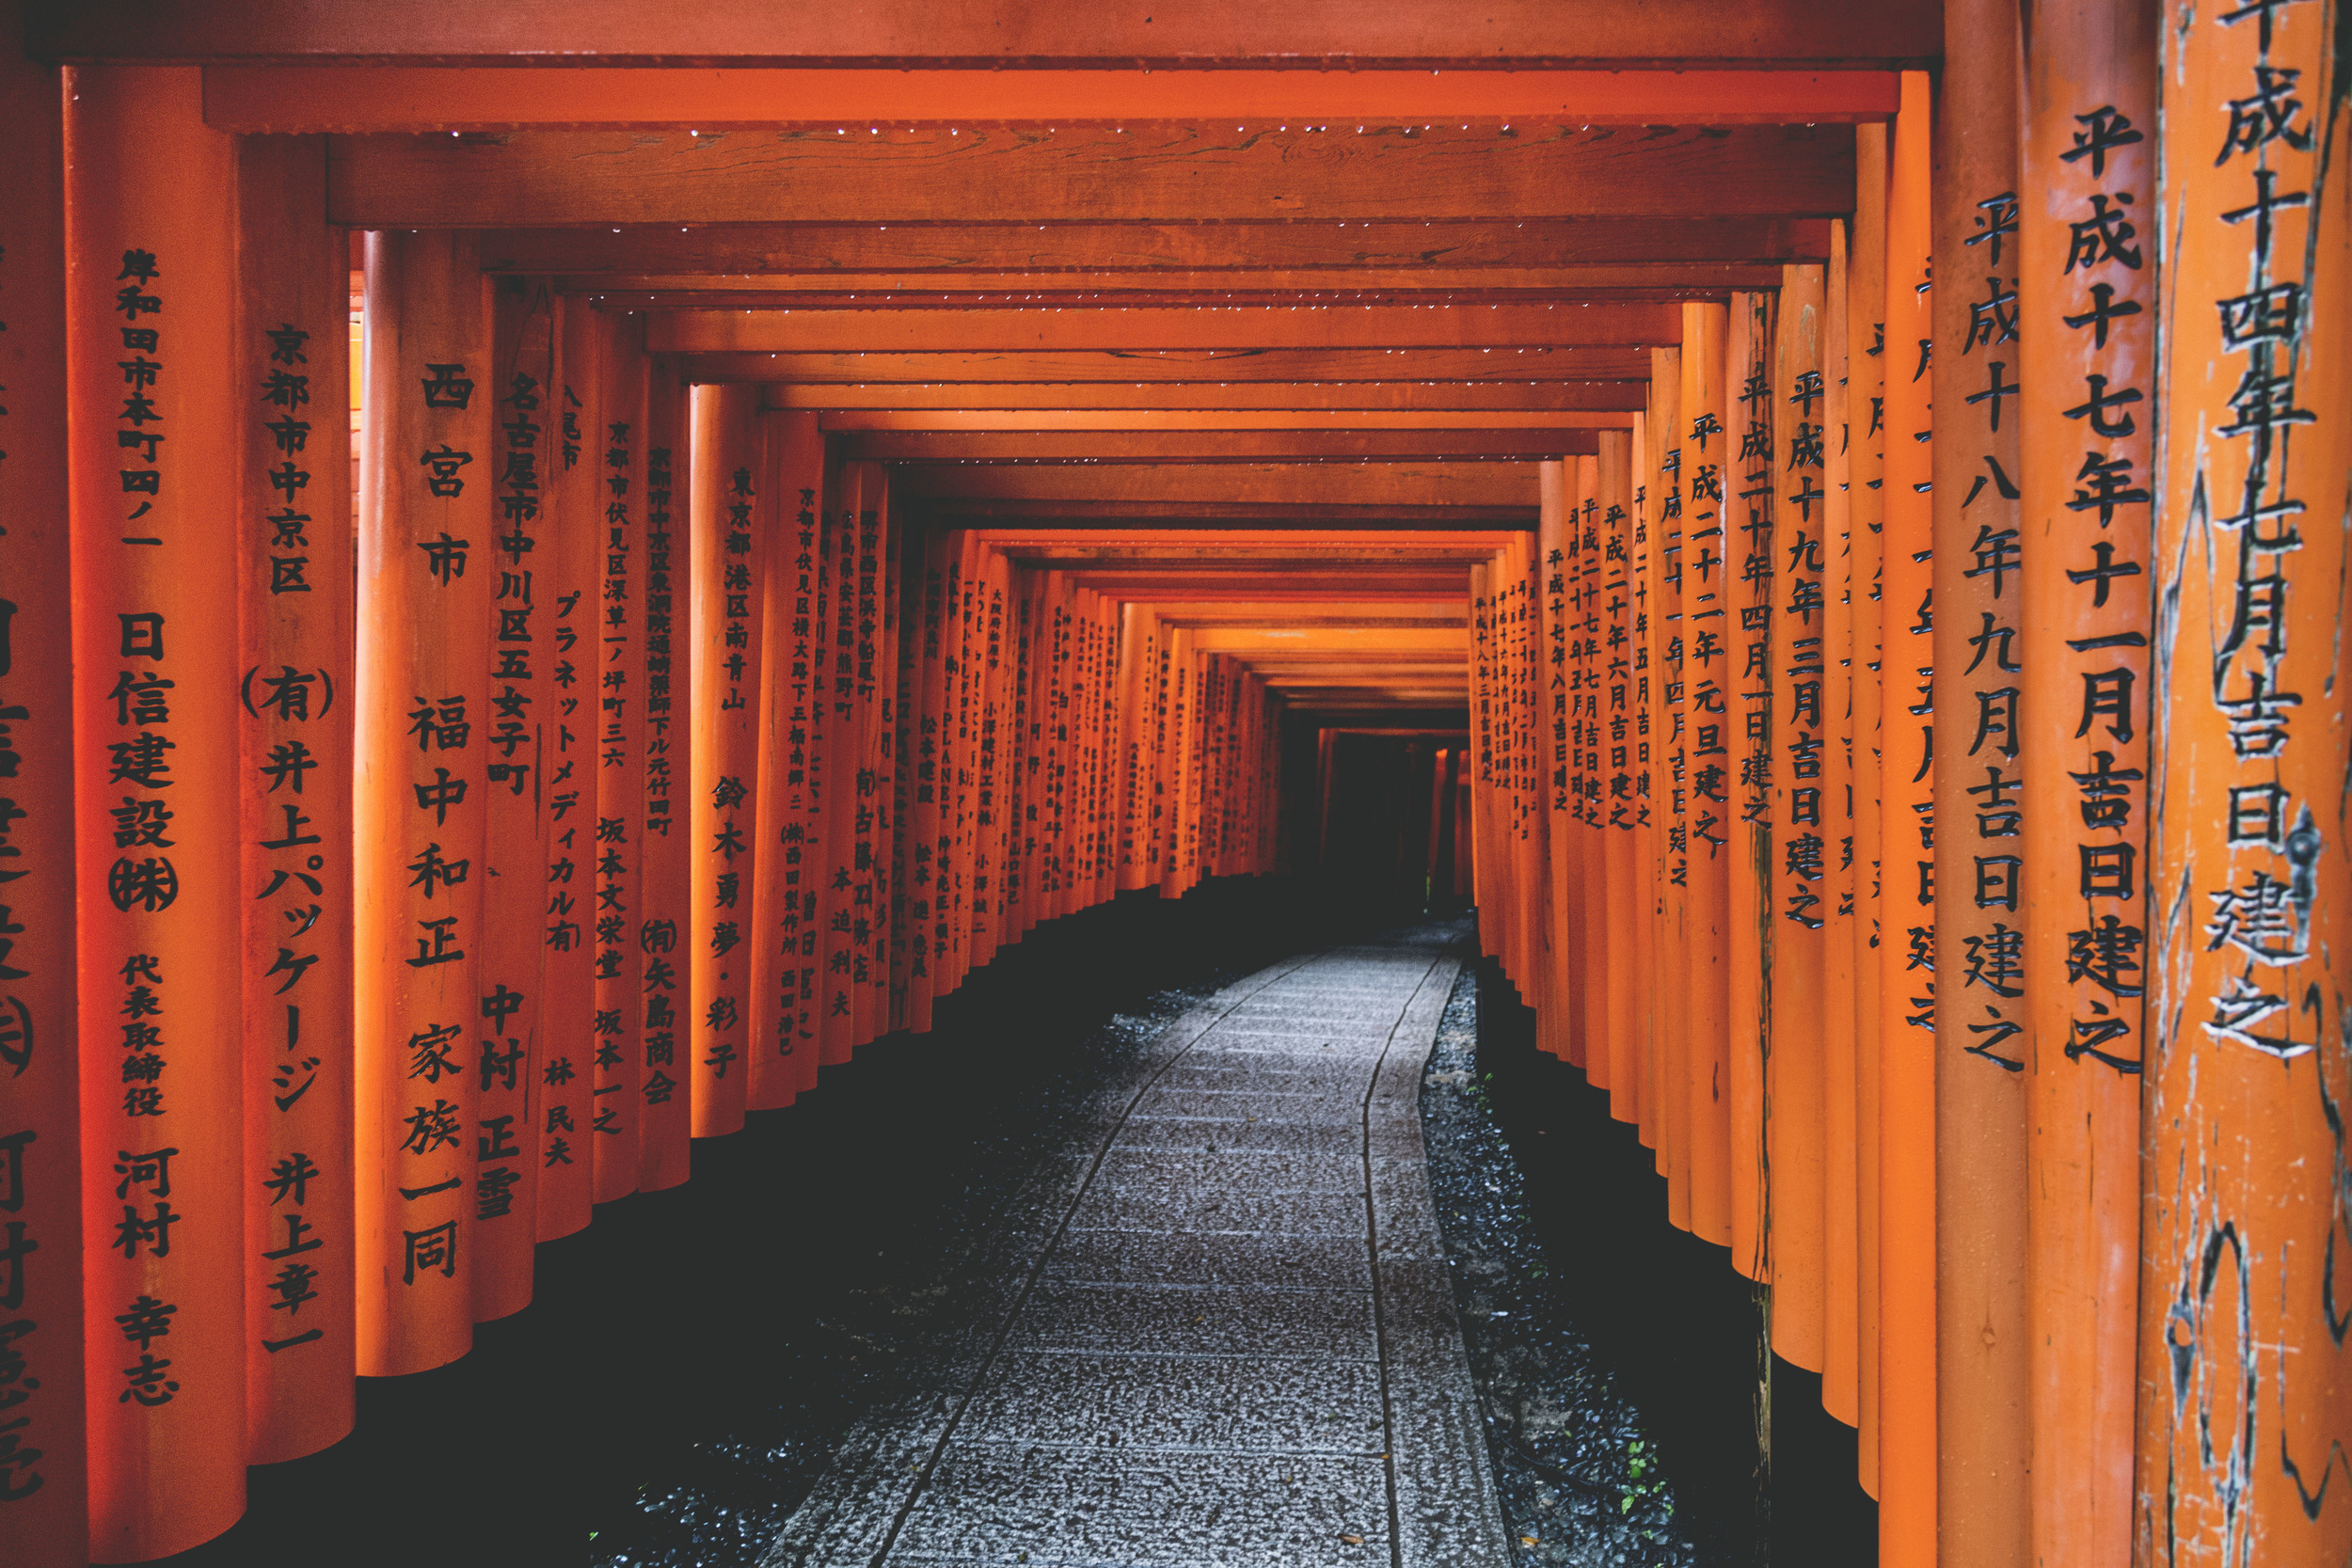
column 667, row 921
column 1705, row 717
column 295, row 611
column 570, row 595
column 1803, row 826
column 1983, row 1430
column 1906, row 1228
column 2245, row 1402
column 1670, row 774
column 1750, row 478
column 2084, row 312
column 153, row 445
column 1617, row 804
column 732, row 531
column 1564, row 908
column 45, row 1496
column 518, row 730
column 784, row 973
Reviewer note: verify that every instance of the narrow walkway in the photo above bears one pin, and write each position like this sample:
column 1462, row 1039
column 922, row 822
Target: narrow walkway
column 1216, row 1328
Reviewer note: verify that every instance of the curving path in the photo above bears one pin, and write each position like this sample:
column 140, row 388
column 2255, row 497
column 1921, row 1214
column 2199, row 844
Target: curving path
column 1216, row 1328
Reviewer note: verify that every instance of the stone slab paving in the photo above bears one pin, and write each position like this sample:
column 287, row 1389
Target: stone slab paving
column 1215, row 1330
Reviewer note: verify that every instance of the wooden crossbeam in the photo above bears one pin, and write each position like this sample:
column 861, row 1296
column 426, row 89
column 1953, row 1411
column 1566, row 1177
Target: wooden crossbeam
column 873, row 250
column 1623, row 397
column 967, row 511
column 1155, row 171
column 1209, row 447
column 1192, row 365
column 1049, row 328
column 905, row 34
column 849, row 420
column 1619, row 281
column 302, row 98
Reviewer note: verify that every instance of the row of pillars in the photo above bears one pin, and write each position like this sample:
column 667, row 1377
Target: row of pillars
column 380, row 892
column 1910, row 776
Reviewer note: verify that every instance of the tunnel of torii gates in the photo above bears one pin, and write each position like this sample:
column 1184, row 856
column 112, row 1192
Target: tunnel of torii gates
column 834, row 492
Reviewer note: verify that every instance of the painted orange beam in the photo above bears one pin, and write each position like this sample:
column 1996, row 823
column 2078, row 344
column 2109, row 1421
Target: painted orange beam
column 1509, row 363
column 1630, row 280
column 1473, row 482
column 1149, row 171
column 1401, row 252
column 1049, row 328
column 1255, row 445
column 281, row 99
column 1211, row 419
column 1617, row 397
column 900, row 35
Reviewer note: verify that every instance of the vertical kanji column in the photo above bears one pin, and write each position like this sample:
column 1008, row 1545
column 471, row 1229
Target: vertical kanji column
column 1750, row 479
column 1670, row 859
column 1865, row 441
column 569, row 622
column 45, row 1496
column 1589, row 854
column 154, row 444
column 987, row 825
column 1615, row 804
column 1704, row 710
column 518, row 730
column 2245, row 1402
column 664, row 1154
column 2087, row 307
column 1804, row 848
column 428, row 575
column 1563, row 910
column 1907, row 946
column 731, row 531
column 881, row 542
column 294, row 612
column 782, row 899
column 616, row 1125
column 1983, row 1432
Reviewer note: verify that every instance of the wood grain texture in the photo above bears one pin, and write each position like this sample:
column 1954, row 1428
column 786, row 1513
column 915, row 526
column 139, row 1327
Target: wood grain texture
column 1147, row 172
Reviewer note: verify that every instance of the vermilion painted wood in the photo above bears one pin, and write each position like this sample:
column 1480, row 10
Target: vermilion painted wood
column 880, row 554
column 422, row 720
column 1622, row 362
column 1142, row 173
column 281, row 99
column 1219, row 446
column 47, row 1514
column 1670, row 776
column 291, row 273
column 1169, row 421
column 667, row 916
column 571, row 552
column 1388, row 392
column 1866, row 306
column 1984, row 1438
column 1907, row 1456
column 834, row 824
column 904, row 36
column 997, row 294
column 1750, row 479
column 1615, row 742
column 516, row 731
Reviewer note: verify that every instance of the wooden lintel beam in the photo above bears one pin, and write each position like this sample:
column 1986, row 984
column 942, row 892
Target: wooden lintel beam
column 870, row 302
column 310, row 99
column 1057, row 328
column 898, row 35
column 1155, row 171
column 1307, row 516
column 1208, row 447
column 1616, row 282
column 1213, row 366
column 855, row 420
column 875, row 252
column 1621, row 397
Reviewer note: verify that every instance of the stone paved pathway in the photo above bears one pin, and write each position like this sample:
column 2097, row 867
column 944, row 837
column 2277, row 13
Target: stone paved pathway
column 1216, row 1329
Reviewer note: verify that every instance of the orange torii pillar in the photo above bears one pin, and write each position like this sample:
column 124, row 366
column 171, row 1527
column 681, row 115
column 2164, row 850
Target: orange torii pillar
column 784, row 978
column 990, row 674
column 1015, row 791
column 831, row 835
column 919, row 848
column 152, row 455
column 569, row 620
column 1864, row 442
column 1481, row 762
column 1640, row 892
column 1843, row 858
column 1906, row 1228
column 1705, row 719
column 663, row 1155
column 428, row 574
column 1749, row 480
column 1617, row 805
column 879, row 542
column 732, row 528
column 1556, row 1021
column 615, row 1126
column 2245, row 1403
column 2084, row 620
column 294, row 613
column 1803, row 813
column 44, row 1495
column 1591, row 854
column 517, row 729
column 1138, row 652
column 1669, row 868
column 1983, row 1431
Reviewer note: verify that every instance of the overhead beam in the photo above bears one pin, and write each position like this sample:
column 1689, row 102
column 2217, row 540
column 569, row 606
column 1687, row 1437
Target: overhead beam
column 1153, row 171
column 1018, row 330
column 310, row 99
column 876, row 251
column 1325, row 296
column 1210, row 366
column 1215, row 446
column 1067, row 34
column 969, row 511
column 1622, row 397
column 1209, row 418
